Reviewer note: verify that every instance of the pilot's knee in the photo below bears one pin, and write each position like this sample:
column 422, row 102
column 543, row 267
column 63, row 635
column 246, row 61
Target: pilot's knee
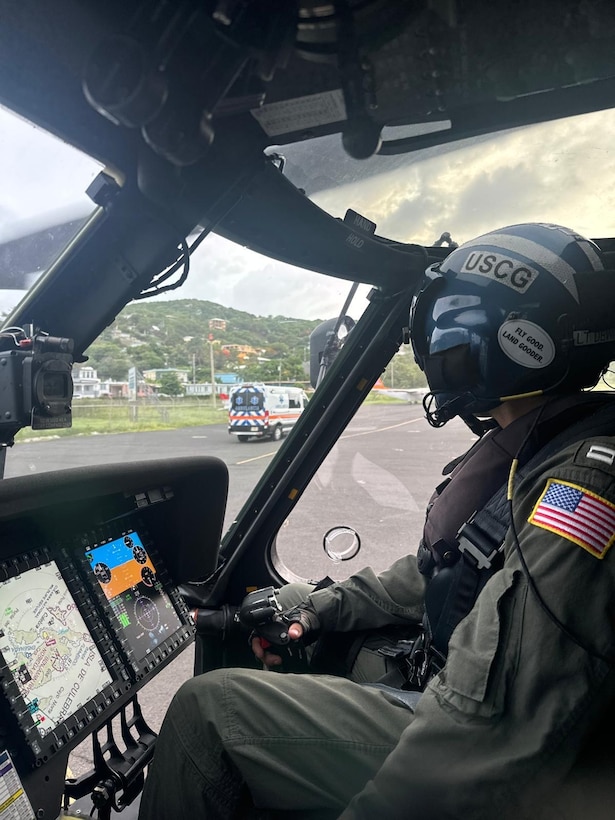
column 199, row 692
column 196, row 713
column 205, row 698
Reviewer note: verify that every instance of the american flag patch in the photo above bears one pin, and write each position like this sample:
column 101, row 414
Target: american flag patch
column 576, row 514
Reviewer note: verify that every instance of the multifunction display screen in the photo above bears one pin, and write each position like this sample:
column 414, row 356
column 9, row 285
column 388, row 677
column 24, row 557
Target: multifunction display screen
column 143, row 611
column 48, row 647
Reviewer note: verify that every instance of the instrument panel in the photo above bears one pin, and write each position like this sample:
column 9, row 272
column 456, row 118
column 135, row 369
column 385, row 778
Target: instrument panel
column 90, row 611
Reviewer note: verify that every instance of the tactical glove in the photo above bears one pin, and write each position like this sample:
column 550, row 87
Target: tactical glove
column 306, row 616
column 261, row 611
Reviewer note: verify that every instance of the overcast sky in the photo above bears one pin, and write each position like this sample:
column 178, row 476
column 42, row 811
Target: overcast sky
column 560, row 172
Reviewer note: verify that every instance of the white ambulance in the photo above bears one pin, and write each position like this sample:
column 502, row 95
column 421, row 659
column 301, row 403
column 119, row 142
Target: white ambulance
column 264, row 411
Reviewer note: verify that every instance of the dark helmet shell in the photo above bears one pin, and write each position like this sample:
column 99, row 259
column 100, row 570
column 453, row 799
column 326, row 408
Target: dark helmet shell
column 503, row 316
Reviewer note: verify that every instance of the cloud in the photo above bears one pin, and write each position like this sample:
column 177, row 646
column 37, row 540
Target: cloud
column 559, row 172
column 43, row 178
column 234, row 276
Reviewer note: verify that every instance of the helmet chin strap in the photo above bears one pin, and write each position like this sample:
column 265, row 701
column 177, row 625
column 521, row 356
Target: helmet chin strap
column 456, row 406
column 439, row 416
column 532, row 394
column 478, row 426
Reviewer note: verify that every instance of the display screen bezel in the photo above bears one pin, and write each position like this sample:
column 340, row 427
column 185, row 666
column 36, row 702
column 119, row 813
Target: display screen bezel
column 42, row 745
column 143, row 613
column 139, row 664
column 67, row 549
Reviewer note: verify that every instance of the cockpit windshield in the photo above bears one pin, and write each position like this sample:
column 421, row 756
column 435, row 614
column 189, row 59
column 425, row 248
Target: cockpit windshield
column 467, row 187
column 172, row 363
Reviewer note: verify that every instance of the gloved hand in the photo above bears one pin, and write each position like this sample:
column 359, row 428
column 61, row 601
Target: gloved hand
column 278, row 629
column 303, row 622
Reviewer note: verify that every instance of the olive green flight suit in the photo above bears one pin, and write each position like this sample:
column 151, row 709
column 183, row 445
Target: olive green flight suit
column 513, row 727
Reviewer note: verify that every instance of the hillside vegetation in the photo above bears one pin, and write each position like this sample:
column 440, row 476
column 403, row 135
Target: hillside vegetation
column 176, row 334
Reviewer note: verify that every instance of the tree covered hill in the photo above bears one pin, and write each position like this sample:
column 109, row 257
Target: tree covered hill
column 175, row 334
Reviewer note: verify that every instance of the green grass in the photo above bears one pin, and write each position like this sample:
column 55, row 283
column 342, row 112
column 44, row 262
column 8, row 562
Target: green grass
column 100, row 417
column 377, row 397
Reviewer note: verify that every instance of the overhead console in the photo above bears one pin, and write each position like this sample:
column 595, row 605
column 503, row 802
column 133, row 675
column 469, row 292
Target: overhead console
column 90, row 560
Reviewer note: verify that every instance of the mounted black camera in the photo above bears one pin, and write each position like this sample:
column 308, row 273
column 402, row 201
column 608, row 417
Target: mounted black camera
column 36, row 384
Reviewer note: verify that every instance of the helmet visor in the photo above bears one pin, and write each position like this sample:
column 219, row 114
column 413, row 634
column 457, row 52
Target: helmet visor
column 452, row 370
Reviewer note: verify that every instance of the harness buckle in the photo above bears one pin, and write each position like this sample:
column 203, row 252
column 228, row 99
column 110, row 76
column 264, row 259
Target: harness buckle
column 478, row 545
column 423, row 663
column 402, row 649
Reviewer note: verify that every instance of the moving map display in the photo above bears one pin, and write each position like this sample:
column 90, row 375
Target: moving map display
column 143, row 611
column 47, row 646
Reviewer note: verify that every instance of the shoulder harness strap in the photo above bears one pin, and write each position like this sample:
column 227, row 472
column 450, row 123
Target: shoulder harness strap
column 452, row 592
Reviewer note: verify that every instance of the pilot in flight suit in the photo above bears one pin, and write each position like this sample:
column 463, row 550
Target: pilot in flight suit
column 510, row 326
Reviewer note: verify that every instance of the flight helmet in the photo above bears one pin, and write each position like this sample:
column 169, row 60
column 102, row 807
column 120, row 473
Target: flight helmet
column 523, row 310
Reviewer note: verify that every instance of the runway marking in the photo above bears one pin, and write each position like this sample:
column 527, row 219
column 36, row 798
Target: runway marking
column 349, row 435
column 382, row 429
column 256, row 458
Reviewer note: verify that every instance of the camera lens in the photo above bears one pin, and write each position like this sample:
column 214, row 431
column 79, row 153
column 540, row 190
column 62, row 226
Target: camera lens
column 55, row 386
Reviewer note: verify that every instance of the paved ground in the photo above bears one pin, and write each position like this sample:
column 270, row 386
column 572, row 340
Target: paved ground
column 379, row 480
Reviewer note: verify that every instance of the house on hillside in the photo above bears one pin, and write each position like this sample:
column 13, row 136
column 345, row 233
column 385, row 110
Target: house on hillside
column 114, row 390
column 217, row 324
column 154, row 374
column 241, row 351
column 86, row 384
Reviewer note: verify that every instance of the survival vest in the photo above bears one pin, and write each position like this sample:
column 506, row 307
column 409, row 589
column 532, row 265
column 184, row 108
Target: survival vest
column 457, row 576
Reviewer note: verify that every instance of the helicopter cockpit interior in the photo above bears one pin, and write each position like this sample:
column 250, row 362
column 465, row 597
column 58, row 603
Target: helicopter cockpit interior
column 187, row 105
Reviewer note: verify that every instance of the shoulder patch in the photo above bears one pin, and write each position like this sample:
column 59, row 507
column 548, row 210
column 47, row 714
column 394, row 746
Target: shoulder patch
column 577, row 514
column 597, row 453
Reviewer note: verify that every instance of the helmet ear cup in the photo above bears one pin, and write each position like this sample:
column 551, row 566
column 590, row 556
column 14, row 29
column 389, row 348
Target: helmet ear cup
column 514, row 312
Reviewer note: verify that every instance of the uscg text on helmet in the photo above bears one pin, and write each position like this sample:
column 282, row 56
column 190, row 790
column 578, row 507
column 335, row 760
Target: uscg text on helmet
column 509, row 272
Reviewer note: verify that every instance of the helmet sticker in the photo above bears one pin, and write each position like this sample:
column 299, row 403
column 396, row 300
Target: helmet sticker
column 510, row 272
column 526, row 343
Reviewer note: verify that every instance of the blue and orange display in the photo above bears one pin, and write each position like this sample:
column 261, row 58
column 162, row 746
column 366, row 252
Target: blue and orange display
column 122, row 564
column 143, row 612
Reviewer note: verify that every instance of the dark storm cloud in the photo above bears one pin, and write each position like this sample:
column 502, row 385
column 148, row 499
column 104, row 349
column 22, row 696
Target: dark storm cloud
column 489, row 196
column 558, row 172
